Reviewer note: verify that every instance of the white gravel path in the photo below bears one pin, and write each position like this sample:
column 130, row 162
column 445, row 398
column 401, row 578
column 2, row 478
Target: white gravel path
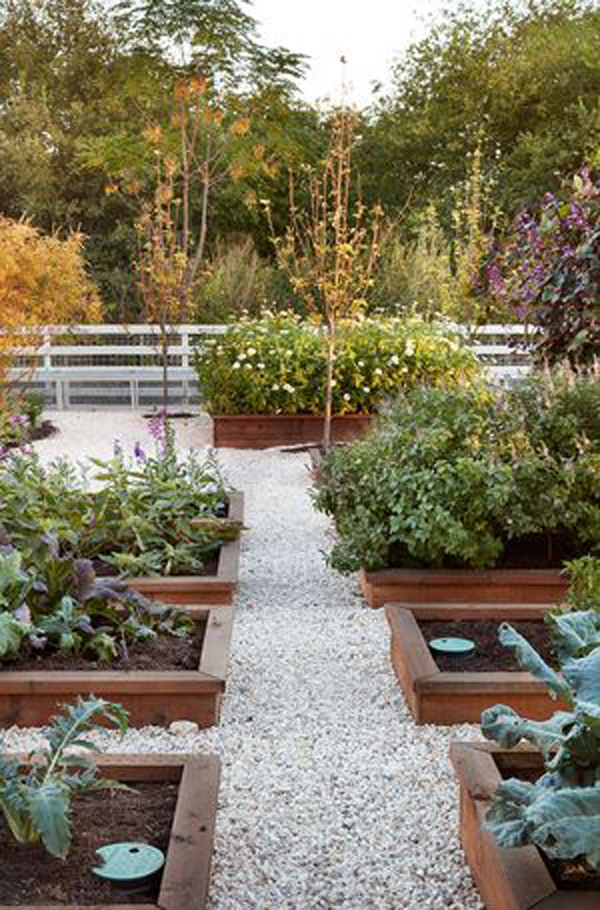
column 331, row 797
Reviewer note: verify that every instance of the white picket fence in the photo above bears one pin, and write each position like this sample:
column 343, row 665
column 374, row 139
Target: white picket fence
column 119, row 365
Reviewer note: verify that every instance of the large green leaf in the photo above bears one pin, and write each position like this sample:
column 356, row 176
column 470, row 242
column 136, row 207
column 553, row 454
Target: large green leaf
column 574, row 633
column 503, row 725
column 49, row 809
column 530, row 660
column 566, row 823
column 12, row 633
column 507, row 817
column 583, row 675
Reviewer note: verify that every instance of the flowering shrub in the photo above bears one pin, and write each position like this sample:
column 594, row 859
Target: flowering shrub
column 19, row 418
column 472, row 477
column 550, row 271
column 276, row 364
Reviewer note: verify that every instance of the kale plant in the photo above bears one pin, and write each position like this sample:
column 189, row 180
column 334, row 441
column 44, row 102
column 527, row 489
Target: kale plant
column 560, row 812
column 36, row 800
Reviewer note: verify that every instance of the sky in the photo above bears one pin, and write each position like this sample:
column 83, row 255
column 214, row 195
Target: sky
column 370, row 34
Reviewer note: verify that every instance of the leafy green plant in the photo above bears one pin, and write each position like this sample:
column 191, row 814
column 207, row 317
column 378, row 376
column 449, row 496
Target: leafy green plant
column 468, row 477
column 57, row 604
column 560, row 812
column 139, row 519
column 36, row 800
column 276, row 364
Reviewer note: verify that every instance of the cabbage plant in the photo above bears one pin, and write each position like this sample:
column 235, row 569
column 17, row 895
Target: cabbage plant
column 560, row 812
column 36, row 799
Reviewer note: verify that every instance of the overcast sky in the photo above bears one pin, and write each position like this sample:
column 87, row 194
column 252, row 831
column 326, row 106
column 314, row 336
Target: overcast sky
column 369, row 33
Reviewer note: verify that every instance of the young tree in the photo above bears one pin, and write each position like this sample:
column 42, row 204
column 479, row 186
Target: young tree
column 330, row 248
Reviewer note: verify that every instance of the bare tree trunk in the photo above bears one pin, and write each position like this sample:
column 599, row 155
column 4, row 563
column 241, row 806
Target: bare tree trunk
column 164, row 342
column 327, row 421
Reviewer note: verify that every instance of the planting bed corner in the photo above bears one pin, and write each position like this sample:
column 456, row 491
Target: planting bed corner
column 515, row 878
column 186, row 873
column 29, row 698
column 498, row 586
column 218, row 588
column 256, row 431
column 455, row 696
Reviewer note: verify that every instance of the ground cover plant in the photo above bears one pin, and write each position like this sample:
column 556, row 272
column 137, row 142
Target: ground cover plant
column 36, row 801
column 560, row 811
column 21, row 420
column 137, row 517
column 276, row 364
column 472, row 477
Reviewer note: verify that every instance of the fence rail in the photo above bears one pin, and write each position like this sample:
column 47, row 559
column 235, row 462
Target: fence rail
column 98, row 365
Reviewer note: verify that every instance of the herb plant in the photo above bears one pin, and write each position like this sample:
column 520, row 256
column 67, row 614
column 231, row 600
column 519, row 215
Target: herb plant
column 459, row 477
column 276, row 364
column 36, row 800
column 560, row 812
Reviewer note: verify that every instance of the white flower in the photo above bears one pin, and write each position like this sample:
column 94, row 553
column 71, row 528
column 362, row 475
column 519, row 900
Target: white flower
column 247, row 366
column 366, row 388
column 275, row 387
column 333, row 383
column 360, row 363
column 236, row 365
column 410, row 347
column 251, row 352
column 394, row 360
column 346, row 396
column 220, row 349
column 260, row 366
column 241, row 356
column 289, row 352
column 288, row 387
column 378, row 372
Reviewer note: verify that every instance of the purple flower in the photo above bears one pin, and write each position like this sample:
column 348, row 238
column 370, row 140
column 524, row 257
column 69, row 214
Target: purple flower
column 139, row 452
column 23, row 614
column 117, row 448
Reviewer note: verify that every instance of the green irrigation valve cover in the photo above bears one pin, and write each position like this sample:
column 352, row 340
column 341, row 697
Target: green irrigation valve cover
column 128, row 862
column 456, row 646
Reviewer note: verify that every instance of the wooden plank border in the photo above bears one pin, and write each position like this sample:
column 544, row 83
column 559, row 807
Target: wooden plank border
column 29, row 698
column 200, row 589
column 507, row 879
column 264, row 431
column 186, row 874
column 445, row 697
column 495, row 586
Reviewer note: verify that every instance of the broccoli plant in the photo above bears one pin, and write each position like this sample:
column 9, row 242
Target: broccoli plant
column 560, row 812
column 36, row 800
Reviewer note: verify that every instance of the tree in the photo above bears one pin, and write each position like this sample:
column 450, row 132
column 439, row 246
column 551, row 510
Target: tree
column 42, row 280
column 523, row 79
column 330, row 248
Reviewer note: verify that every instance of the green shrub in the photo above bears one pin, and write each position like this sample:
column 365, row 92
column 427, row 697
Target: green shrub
column 471, row 477
column 276, row 365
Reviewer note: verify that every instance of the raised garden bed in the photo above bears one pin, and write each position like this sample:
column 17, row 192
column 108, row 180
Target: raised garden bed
column 249, row 431
column 29, row 698
column 446, row 696
column 517, row 878
column 187, row 785
column 498, row 586
column 217, row 588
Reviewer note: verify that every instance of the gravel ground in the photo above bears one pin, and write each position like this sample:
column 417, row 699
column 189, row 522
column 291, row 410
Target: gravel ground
column 331, row 797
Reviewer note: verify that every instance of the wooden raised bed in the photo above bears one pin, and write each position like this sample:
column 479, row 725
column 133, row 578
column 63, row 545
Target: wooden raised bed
column 186, row 873
column 200, row 589
column 498, row 586
column 438, row 697
column 249, row 431
column 515, row 878
column 29, row 698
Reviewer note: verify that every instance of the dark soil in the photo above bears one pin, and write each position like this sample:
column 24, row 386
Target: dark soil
column 573, row 874
column 489, row 654
column 162, row 653
column 31, row 876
